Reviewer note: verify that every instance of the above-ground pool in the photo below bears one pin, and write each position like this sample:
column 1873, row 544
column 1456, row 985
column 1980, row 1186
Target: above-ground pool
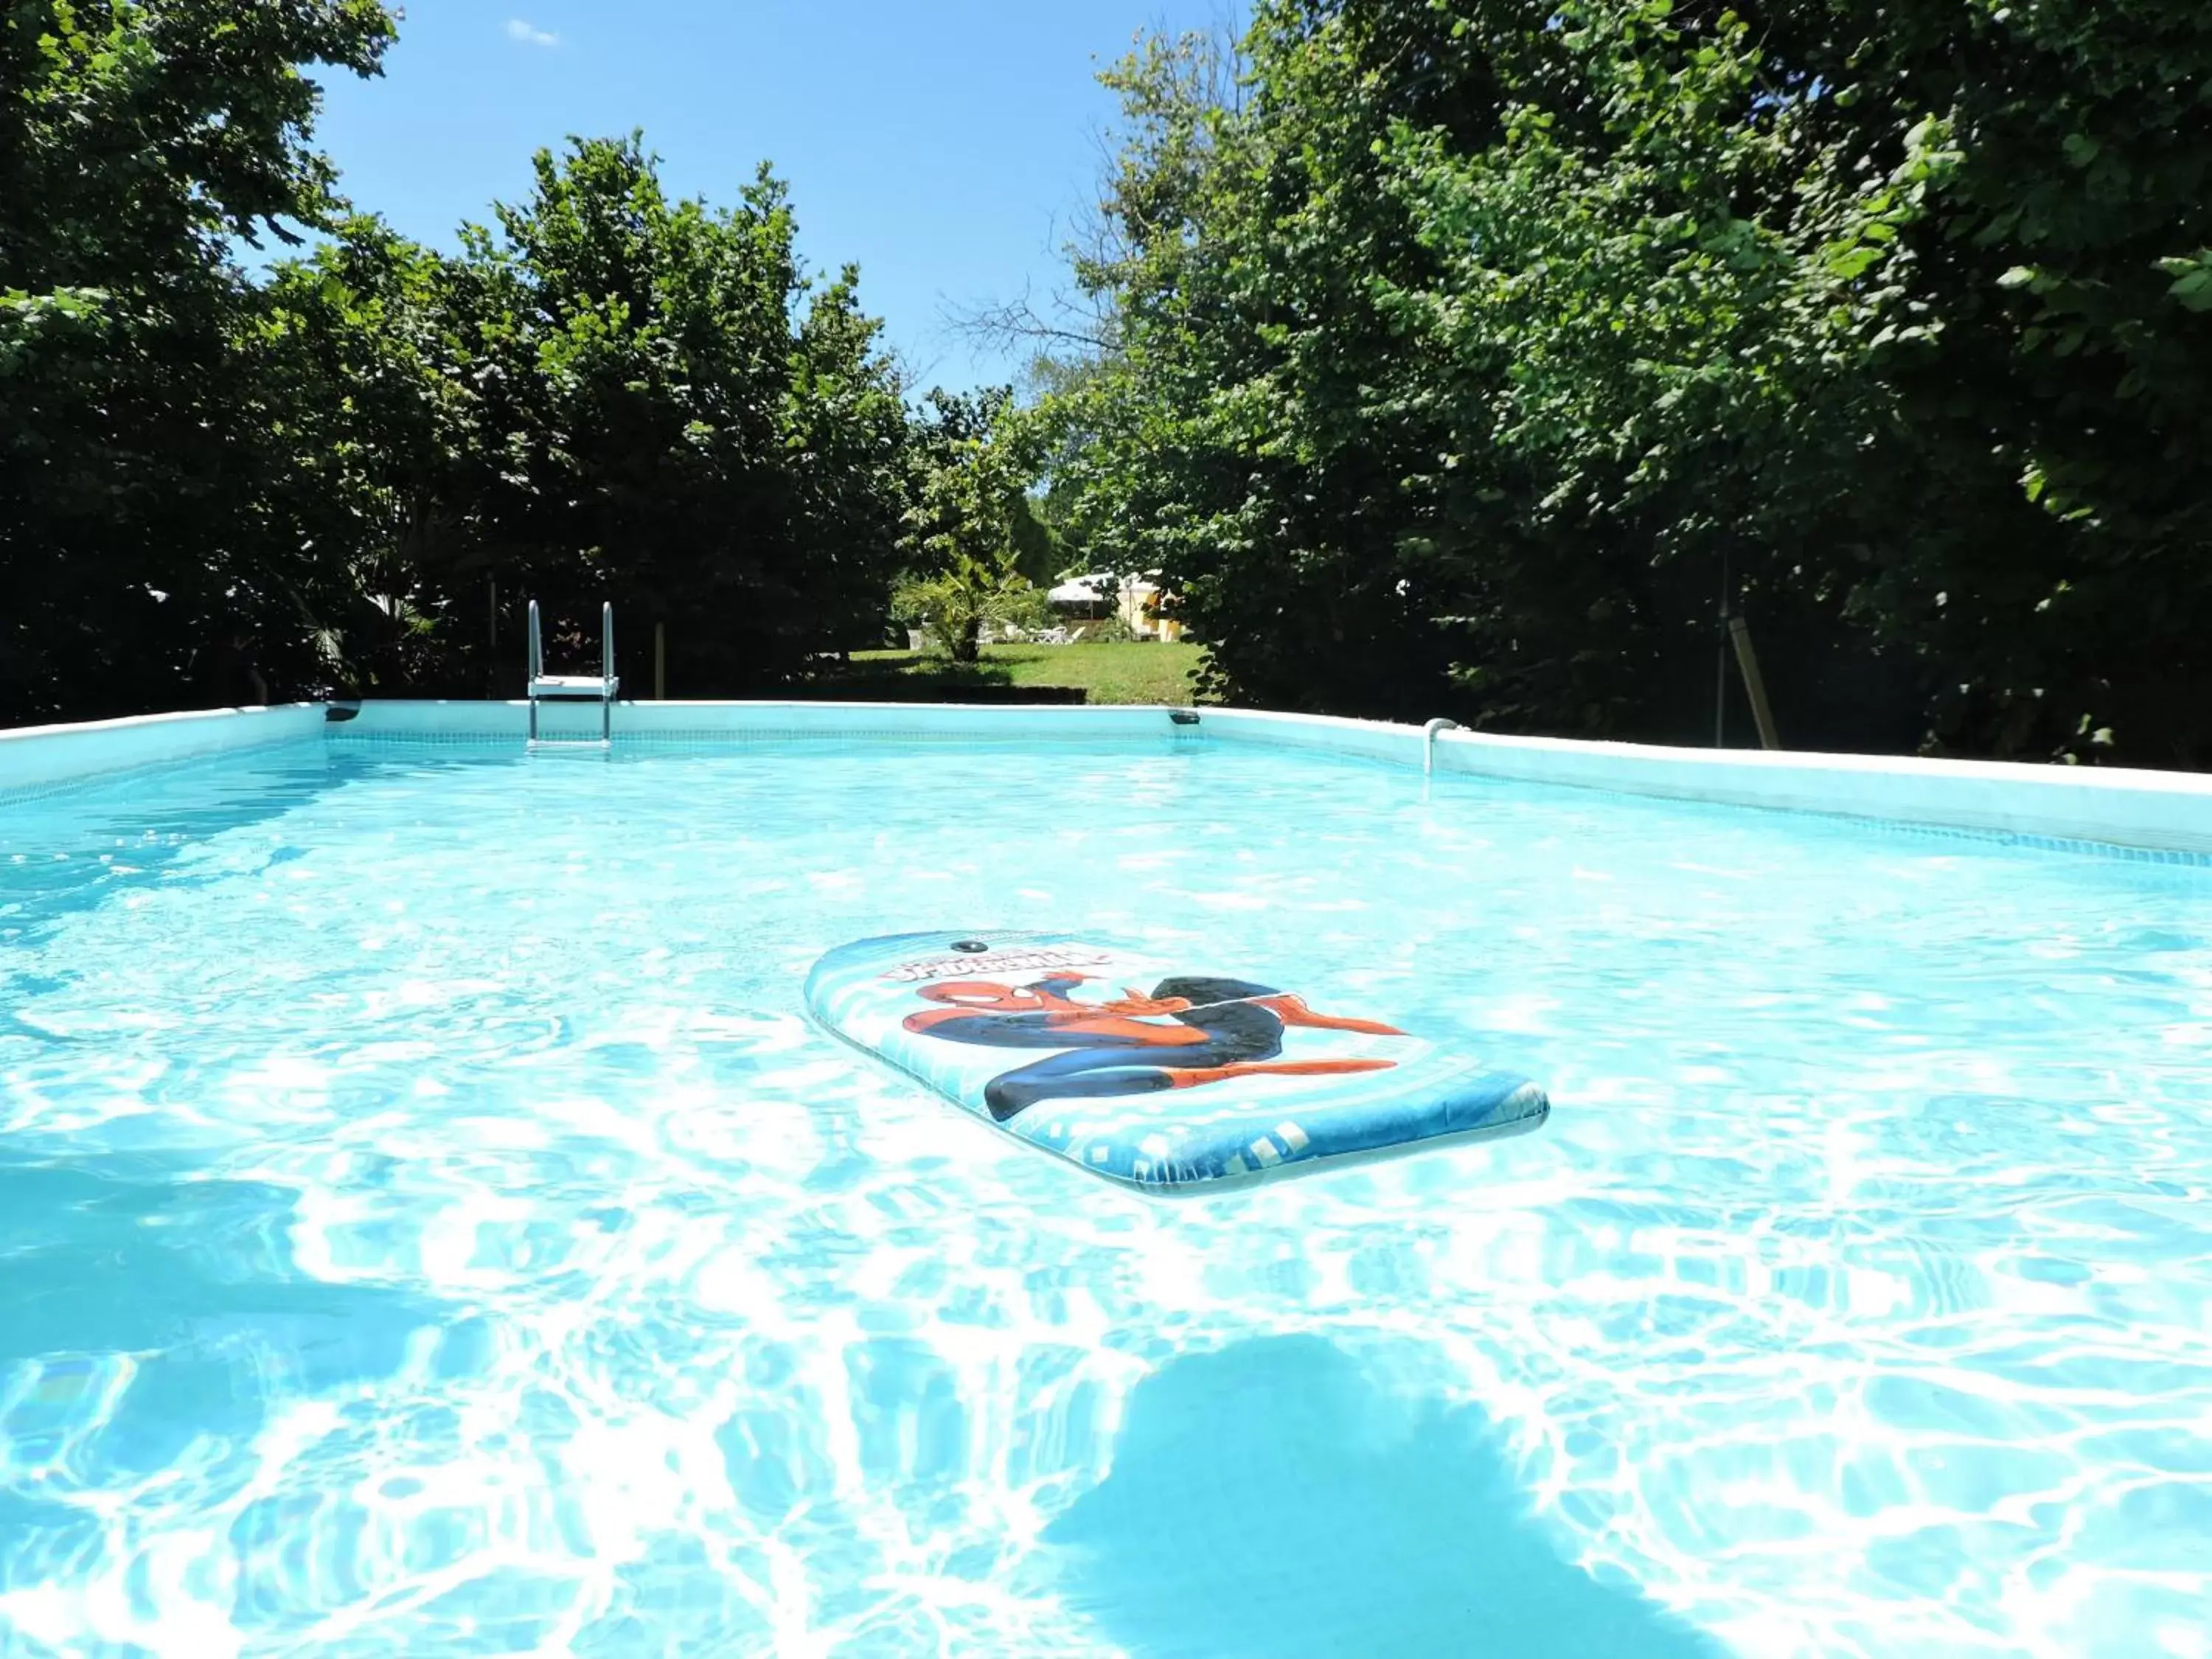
column 430, row 1224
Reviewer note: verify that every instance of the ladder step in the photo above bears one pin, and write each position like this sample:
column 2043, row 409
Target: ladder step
column 589, row 687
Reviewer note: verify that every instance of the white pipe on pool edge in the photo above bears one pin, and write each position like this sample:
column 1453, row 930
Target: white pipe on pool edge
column 1429, row 744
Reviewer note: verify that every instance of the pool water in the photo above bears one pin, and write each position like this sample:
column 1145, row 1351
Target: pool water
column 427, row 1225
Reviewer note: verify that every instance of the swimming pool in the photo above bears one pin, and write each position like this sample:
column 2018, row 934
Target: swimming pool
column 430, row 1223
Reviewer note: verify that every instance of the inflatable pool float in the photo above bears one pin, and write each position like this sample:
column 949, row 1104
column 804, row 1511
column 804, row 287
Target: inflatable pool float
column 1145, row 1072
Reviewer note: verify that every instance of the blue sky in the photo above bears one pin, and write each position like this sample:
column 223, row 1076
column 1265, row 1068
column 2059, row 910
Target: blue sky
column 943, row 144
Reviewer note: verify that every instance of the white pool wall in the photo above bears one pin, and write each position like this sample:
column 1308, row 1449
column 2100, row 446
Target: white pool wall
column 34, row 759
column 709, row 722
column 2155, row 811
column 2162, row 811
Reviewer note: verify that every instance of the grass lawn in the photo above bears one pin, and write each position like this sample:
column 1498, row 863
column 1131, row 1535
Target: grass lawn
column 1142, row 672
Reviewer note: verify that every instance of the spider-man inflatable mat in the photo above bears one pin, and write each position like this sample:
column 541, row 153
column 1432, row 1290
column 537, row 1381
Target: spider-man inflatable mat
column 1165, row 1075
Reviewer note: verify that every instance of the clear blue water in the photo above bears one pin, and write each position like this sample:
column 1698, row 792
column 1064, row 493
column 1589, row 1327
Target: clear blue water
column 427, row 1225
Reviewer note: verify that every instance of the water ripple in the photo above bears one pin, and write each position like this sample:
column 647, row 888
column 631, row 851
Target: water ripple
column 427, row 1226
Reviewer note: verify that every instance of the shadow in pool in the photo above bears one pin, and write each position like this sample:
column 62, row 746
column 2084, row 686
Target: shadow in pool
column 1268, row 1501
column 130, row 833
column 113, row 1260
column 82, row 848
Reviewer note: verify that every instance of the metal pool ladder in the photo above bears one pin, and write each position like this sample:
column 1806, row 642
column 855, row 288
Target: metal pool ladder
column 599, row 688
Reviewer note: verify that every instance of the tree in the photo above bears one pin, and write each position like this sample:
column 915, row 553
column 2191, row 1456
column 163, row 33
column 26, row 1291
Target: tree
column 659, row 430
column 362, row 398
column 2060, row 421
column 974, row 462
column 612, row 395
column 136, row 140
column 1475, row 354
column 607, row 394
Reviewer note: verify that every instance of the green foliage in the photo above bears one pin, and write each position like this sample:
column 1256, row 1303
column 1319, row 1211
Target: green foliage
column 607, row 394
column 968, row 507
column 1043, row 550
column 1113, row 629
column 1451, row 355
column 612, row 395
column 958, row 608
column 661, row 410
column 1464, row 355
column 135, row 141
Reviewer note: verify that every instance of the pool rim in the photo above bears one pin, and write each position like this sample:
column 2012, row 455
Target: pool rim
column 2160, row 815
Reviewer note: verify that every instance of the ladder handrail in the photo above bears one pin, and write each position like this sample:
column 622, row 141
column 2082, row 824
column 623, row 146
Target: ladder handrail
column 536, row 649
column 607, row 645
